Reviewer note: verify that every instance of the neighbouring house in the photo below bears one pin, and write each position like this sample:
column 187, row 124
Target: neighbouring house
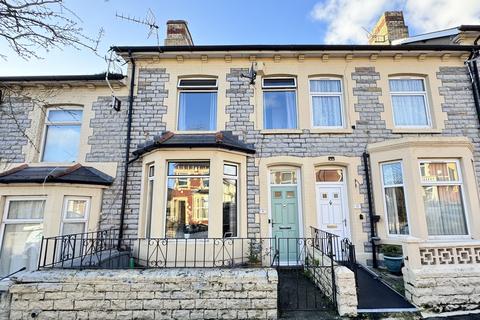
column 377, row 144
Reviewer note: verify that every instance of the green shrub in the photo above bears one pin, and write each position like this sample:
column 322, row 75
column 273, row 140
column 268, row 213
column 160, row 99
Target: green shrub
column 392, row 250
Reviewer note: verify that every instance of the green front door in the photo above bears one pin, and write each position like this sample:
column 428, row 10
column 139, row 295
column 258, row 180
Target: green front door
column 285, row 222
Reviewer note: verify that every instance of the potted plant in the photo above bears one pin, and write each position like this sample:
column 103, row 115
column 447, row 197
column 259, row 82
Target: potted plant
column 393, row 257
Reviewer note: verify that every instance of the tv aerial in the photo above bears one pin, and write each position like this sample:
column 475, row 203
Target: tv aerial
column 150, row 21
column 252, row 73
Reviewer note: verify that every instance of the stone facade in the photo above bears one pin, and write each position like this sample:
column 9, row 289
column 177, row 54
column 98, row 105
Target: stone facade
column 442, row 277
column 149, row 294
column 109, row 129
column 13, row 131
column 444, row 288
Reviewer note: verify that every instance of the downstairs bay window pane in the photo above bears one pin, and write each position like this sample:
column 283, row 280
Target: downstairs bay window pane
column 230, row 207
column 396, row 210
column 26, row 209
column 73, row 228
column 20, row 247
column 187, row 208
column 444, row 210
column 280, row 110
column 76, row 209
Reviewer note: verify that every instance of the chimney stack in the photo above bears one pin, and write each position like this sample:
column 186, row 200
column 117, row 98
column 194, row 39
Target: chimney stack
column 391, row 26
column 178, row 34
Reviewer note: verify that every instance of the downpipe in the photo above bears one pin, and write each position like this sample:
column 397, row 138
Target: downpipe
column 472, row 67
column 372, row 218
column 127, row 151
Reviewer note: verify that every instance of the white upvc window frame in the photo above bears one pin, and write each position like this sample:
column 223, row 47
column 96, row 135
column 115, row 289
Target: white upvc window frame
column 445, row 183
column 6, row 221
column 235, row 177
column 423, row 93
column 292, row 88
column 329, row 94
column 384, row 200
column 196, row 89
column 48, row 123
column 83, row 220
column 150, row 195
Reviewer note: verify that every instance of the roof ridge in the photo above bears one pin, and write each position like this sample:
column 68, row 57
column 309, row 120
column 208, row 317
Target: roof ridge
column 70, row 169
column 13, row 170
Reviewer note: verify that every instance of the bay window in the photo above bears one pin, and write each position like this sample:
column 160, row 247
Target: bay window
column 21, row 233
column 327, row 103
column 230, row 200
column 279, row 103
column 75, row 215
column 394, row 197
column 150, row 181
column 62, row 135
column 409, row 102
column 197, row 109
column 442, row 198
column 187, row 199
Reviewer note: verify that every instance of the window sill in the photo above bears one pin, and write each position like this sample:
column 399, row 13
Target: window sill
column 281, row 131
column 194, row 132
column 332, row 131
column 415, row 130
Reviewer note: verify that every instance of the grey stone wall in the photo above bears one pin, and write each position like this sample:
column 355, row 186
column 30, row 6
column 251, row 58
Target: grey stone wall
column 109, row 132
column 109, row 142
column 369, row 128
column 14, row 122
column 146, row 294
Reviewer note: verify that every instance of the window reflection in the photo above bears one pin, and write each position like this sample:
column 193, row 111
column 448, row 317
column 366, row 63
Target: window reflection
column 187, row 200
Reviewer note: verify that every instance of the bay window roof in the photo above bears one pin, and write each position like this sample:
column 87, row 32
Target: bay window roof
column 222, row 139
column 77, row 174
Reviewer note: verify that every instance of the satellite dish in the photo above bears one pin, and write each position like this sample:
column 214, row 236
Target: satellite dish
column 252, row 74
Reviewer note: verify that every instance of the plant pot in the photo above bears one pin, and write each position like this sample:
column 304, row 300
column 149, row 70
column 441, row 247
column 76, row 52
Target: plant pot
column 393, row 264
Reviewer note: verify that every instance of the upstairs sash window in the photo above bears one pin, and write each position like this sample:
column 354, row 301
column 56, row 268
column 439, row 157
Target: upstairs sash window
column 62, row 135
column 409, row 102
column 197, row 109
column 327, row 103
column 279, row 103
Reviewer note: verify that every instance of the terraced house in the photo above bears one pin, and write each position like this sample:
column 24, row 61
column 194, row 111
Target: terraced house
column 227, row 155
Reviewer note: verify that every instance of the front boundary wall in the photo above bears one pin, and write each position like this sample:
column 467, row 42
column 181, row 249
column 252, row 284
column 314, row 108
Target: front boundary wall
column 442, row 277
column 143, row 294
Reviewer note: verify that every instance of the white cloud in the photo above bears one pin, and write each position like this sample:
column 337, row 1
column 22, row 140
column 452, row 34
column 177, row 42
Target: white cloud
column 346, row 19
column 433, row 15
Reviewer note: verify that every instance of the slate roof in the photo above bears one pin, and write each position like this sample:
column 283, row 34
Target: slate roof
column 49, row 174
column 223, row 140
column 76, row 77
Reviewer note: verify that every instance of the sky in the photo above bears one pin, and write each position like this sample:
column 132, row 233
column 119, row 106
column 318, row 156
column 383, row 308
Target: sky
column 237, row 22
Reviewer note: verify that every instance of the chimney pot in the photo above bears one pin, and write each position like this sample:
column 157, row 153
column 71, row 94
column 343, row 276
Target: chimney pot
column 178, row 34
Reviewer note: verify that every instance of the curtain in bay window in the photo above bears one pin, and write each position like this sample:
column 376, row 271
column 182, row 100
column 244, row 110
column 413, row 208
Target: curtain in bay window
column 26, row 209
column 20, row 247
column 444, row 210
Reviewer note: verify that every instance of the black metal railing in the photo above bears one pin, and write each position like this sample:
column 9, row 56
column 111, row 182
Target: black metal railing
column 103, row 249
column 342, row 251
column 314, row 258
